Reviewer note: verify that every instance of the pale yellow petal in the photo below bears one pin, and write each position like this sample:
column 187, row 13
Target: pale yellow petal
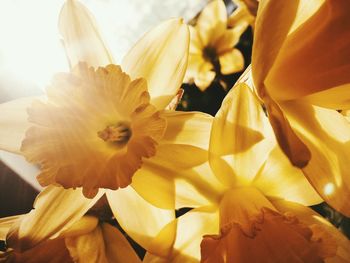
column 308, row 61
column 89, row 248
column 311, row 218
column 161, row 58
column 228, row 40
column 81, row 38
column 231, row 62
column 327, row 135
column 195, row 63
column 196, row 46
column 211, row 23
column 143, row 221
column 205, row 76
column 191, row 128
column 5, row 225
column 278, row 178
column 55, row 210
column 190, row 229
column 241, row 137
column 168, row 186
column 14, row 123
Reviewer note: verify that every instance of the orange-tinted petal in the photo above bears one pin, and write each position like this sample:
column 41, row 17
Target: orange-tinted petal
column 94, row 130
column 327, row 134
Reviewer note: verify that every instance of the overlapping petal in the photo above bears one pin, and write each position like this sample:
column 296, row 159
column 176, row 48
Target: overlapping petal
column 278, row 178
column 240, row 138
column 327, row 134
column 141, row 220
column 161, row 58
column 55, row 210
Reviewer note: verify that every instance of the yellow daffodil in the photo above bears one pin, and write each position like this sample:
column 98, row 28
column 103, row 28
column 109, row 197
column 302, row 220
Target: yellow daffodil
column 300, row 67
column 212, row 44
column 242, row 16
column 99, row 127
column 258, row 213
column 85, row 241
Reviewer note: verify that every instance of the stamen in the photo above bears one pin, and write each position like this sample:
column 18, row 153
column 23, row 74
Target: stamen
column 119, row 133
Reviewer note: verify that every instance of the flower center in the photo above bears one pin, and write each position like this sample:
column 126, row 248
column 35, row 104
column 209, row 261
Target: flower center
column 209, row 54
column 119, row 133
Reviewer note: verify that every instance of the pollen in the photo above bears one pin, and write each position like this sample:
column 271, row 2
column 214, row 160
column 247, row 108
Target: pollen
column 119, row 133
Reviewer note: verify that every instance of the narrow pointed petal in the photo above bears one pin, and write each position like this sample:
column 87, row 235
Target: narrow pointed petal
column 55, row 210
column 231, row 62
column 143, row 221
column 278, row 178
column 81, row 38
column 241, row 137
column 14, row 123
column 318, row 224
column 327, row 134
column 161, row 58
column 191, row 128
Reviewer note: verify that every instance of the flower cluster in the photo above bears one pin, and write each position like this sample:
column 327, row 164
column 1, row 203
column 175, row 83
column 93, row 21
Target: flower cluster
column 117, row 161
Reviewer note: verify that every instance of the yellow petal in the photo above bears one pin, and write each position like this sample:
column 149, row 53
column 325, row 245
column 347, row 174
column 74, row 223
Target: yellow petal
column 169, row 187
column 192, row 128
column 161, row 58
column 290, row 143
column 205, row 76
column 241, row 137
column 303, row 67
column 311, row 218
column 143, row 221
column 211, row 23
column 118, row 249
column 195, row 63
column 231, row 62
column 104, row 244
column 327, row 134
column 81, row 38
column 55, row 210
column 228, row 40
column 278, row 178
column 83, row 226
column 196, row 46
column 190, row 229
column 242, row 17
column 89, row 248
column 5, row 225
column 270, row 36
column 14, row 123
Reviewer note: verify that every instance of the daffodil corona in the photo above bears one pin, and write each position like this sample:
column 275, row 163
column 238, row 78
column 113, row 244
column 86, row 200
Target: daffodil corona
column 256, row 208
column 101, row 125
column 94, row 129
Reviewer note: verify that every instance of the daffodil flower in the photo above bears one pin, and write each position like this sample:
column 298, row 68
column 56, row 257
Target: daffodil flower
column 85, row 241
column 258, row 213
column 300, row 67
column 100, row 127
column 213, row 43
